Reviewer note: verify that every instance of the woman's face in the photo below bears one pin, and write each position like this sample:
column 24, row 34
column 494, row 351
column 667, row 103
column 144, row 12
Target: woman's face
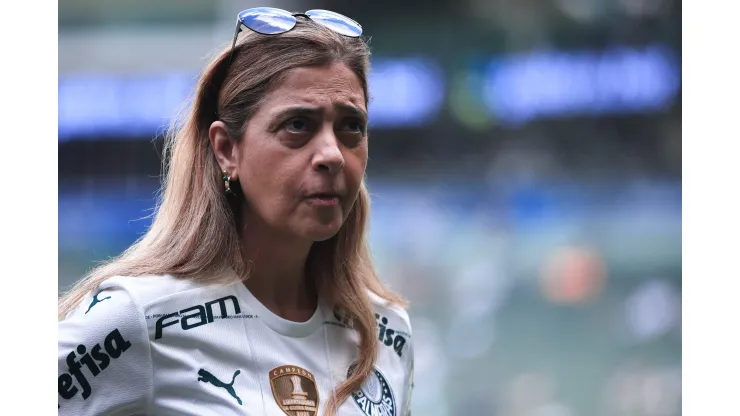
column 303, row 155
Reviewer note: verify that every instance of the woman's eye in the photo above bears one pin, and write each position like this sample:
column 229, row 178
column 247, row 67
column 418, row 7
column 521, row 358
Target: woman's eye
column 355, row 126
column 296, row 125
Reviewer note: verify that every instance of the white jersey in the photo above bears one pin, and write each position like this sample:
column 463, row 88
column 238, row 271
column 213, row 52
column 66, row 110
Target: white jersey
column 161, row 346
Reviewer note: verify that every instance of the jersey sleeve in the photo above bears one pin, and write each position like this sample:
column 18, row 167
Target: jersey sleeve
column 104, row 360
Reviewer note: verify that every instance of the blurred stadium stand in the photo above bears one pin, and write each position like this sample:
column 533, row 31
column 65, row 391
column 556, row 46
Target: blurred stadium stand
column 525, row 170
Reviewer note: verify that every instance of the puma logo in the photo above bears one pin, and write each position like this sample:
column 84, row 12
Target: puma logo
column 95, row 301
column 207, row 377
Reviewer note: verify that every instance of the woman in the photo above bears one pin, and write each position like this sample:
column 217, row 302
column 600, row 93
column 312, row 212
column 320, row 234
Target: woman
column 253, row 292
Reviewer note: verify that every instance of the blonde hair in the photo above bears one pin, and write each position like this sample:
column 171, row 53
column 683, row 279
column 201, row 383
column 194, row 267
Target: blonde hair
column 194, row 231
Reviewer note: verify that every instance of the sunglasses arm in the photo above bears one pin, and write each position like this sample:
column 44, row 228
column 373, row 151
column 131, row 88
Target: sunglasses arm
column 233, row 43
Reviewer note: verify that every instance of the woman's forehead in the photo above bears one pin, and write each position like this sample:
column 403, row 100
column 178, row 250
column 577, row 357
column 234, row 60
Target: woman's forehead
column 318, row 86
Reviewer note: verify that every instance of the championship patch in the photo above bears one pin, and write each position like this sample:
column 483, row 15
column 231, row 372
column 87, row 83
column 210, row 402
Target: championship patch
column 294, row 390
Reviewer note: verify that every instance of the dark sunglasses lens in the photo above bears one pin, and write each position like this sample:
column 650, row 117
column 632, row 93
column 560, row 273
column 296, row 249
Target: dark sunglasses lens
column 336, row 22
column 267, row 20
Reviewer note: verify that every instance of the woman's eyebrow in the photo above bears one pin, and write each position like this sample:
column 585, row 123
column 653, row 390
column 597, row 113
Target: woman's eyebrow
column 298, row 111
column 313, row 111
column 355, row 111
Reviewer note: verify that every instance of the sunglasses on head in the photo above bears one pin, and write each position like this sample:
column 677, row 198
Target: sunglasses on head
column 272, row 21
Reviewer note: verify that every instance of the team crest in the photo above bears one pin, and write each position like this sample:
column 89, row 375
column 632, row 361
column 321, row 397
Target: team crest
column 375, row 398
column 294, row 390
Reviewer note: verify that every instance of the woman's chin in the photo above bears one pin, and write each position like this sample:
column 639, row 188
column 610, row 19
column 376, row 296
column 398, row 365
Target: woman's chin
column 321, row 232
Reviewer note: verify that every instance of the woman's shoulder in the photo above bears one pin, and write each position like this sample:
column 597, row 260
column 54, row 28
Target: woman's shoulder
column 103, row 353
column 104, row 342
column 137, row 293
column 389, row 313
column 152, row 289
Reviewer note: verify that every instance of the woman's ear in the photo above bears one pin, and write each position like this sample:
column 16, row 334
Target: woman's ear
column 225, row 149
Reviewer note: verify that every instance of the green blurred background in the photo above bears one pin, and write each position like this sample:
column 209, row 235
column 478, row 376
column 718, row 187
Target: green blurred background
column 525, row 171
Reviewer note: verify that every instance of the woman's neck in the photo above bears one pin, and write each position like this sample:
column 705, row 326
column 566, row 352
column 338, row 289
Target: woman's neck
column 277, row 278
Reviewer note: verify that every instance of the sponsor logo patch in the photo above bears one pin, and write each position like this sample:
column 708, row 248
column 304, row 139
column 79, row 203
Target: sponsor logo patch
column 197, row 315
column 207, row 377
column 390, row 337
column 95, row 360
column 95, row 301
